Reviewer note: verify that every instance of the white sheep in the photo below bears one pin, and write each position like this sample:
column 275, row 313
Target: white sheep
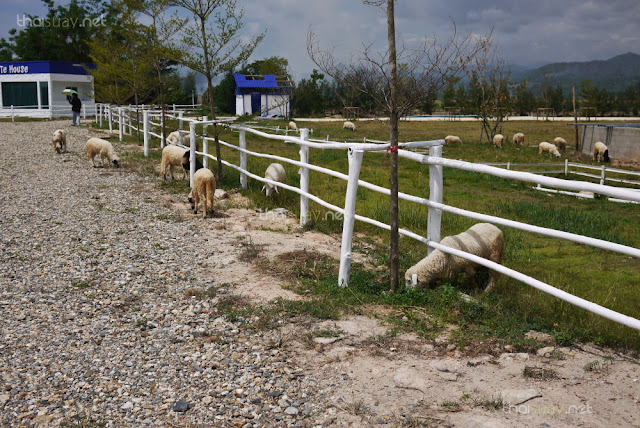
column 171, row 156
column 174, row 137
column 452, row 139
column 560, row 143
column 349, row 125
column 293, row 126
column 98, row 146
column 274, row 172
column 204, row 189
column 59, row 141
column 482, row 239
column 601, row 152
column 498, row 139
column 518, row 138
column 548, row 148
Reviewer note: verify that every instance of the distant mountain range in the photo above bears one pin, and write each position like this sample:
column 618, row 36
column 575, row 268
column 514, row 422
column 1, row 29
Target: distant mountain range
column 614, row 74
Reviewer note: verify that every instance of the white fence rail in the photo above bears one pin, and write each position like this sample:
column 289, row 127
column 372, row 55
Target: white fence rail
column 52, row 111
column 435, row 162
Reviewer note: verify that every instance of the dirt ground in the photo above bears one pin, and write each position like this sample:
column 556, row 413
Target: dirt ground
column 409, row 381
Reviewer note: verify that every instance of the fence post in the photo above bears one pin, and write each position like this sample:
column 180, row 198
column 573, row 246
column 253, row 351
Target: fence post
column 120, row 127
column 205, row 143
column 243, row 158
column 101, row 114
column 12, row 120
column 84, row 111
column 161, row 131
column 602, row 175
column 110, row 111
column 566, row 167
column 97, row 108
column 355, row 162
column 145, row 127
column 435, row 195
column 192, row 155
column 304, row 179
column 179, row 125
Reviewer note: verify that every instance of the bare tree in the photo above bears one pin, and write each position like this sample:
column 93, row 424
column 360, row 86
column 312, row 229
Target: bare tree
column 489, row 77
column 398, row 79
column 215, row 43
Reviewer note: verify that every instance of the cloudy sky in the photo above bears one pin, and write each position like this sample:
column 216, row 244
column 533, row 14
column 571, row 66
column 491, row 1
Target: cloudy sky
column 529, row 33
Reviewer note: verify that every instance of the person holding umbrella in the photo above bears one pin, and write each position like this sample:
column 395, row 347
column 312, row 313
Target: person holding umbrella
column 76, row 105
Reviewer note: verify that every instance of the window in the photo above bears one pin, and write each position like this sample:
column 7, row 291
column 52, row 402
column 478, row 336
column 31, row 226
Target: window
column 20, row 94
column 44, row 94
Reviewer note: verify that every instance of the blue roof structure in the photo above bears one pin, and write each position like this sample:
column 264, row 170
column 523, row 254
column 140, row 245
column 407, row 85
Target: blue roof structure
column 269, row 82
column 36, row 67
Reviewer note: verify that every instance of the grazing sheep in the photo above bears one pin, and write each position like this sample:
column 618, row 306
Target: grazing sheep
column 293, row 126
column 349, row 125
column 498, row 139
column 174, row 137
column 452, row 139
column 59, row 141
column 186, row 163
column 482, row 239
column 171, row 156
column 518, row 138
column 204, row 189
column 560, row 143
column 549, row 148
column 274, row 172
column 601, row 152
column 98, row 146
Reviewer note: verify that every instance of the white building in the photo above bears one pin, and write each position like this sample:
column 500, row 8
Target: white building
column 262, row 95
column 34, row 88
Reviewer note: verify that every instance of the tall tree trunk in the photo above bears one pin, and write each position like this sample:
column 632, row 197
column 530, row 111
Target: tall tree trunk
column 394, row 251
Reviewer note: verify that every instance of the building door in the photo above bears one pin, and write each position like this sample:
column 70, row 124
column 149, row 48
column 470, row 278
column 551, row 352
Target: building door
column 255, row 103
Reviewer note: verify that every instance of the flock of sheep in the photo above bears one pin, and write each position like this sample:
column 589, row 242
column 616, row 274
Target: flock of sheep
column 600, row 150
column 483, row 239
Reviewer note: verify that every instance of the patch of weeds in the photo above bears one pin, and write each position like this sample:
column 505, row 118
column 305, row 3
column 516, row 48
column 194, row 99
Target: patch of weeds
column 598, row 366
column 170, row 218
column 83, row 421
column 234, row 308
column 328, row 333
column 141, row 322
column 451, row 406
column 251, row 251
column 488, row 403
column 81, row 284
column 558, row 355
column 200, row 293
column 356, row 408
column 539, row 373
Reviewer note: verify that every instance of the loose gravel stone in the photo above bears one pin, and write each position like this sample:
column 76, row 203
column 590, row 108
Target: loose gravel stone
column 96, row 325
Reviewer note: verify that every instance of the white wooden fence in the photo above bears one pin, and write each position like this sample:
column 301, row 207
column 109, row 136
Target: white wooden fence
column 436, row 207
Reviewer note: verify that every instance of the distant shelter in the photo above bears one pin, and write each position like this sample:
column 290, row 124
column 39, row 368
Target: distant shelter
column 34, row 88
column 263, row 95
column 622, row 139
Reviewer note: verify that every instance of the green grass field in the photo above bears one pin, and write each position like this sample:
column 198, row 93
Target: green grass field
column 606, row 278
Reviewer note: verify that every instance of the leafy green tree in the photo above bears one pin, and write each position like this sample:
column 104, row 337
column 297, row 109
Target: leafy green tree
column 63, row 34
column 308, row 96
column 216, row 45
column 524, row 101
column 224, row 95
column 272, row 65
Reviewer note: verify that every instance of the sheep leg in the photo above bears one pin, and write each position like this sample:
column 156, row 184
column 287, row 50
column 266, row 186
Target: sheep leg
column 471, row 276
column 492, row 281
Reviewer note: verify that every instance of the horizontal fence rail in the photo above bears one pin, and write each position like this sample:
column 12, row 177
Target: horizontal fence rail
column 434, row 202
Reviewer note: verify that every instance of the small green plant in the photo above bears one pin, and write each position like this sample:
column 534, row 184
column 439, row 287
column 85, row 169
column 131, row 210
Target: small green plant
column 141, row 322
column 81, row 284
column 598, row 366
column 451, row 406
column 539, row 373
column 356, row 408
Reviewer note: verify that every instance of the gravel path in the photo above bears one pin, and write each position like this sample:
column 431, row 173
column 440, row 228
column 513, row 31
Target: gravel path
column 96, row 325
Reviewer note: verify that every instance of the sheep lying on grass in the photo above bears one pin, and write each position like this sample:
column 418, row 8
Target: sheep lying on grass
column 518, row 138
column 274, row 172
column 548, row 148
column 204, row 189
column 174, row 137
column 498, row 139
column 449, row 139
column 560, row 143
column 601, row 152
column 482, row 239
column 186, row 163
column 293, row 126
column 349, row 125
column 59, row 141
column 98, row 146
column 171, row 156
